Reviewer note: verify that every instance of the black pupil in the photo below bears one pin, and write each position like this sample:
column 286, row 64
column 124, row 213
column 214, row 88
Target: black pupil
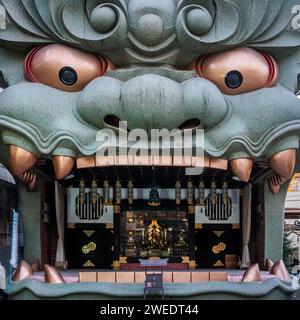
column 233, row 79
column 68, row 76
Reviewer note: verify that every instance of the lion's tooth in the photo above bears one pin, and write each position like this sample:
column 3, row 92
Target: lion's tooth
column 252, row 274
column 242, row 168
column 32, row 184
column 279, row 269
column 283, row 163
column 29, row 179
column 275, row 183
column 20, row 160
column 52, row 275
column 62, row 166
column 269, row 264
column 23, row 271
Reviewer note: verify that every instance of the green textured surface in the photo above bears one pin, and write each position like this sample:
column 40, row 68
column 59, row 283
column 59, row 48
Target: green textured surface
column 147, row 40
column 30, row 209
column 270, row 289
column 274, row 221
column 151, row 41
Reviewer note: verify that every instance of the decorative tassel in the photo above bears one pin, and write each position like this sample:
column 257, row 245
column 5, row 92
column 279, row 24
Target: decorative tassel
column 82, row 191
column 213, row 193
column 106, row 192
column 118, row 188
column 130, row 192
column 202, row 194
column 94, row 193
column 225, row 193
column 178, row 192
column 190, row 193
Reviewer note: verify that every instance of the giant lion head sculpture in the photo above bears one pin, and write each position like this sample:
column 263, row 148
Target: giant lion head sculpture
column 71, row 67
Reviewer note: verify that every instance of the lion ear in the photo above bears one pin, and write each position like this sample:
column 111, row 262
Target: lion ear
column 11, row 68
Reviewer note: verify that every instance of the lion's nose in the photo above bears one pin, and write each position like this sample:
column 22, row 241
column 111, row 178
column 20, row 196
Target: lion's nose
column 150, row 29
column 152, row 102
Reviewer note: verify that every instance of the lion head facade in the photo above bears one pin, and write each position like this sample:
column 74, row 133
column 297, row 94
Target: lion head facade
column 70, row 68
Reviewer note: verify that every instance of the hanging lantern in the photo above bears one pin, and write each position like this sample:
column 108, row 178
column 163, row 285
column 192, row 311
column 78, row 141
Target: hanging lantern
column 106, row 192
column 178, row 192
column 94, row 193
column 118, row 188
column 130, row 192
column 190, row 193
column 154, row 200
column 225, row 193
column 202, row 194
column 82, row 191
column 213, row 193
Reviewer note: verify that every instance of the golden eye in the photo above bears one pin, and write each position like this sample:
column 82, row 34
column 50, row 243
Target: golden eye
column 239, row 70
column 64, row 68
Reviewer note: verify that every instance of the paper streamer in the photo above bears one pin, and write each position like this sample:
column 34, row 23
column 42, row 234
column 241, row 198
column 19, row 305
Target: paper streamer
column 2, row 277
column 14, row 240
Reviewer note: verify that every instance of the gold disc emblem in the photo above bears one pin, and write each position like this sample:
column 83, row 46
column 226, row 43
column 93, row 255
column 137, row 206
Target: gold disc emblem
column 215, row 250
column 92, row 246
column 218, row 248
column 85, row 250
column 222, row 246
column 89, row 247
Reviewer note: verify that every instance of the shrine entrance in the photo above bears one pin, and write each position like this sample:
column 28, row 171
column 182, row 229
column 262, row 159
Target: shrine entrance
column 155, row 232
